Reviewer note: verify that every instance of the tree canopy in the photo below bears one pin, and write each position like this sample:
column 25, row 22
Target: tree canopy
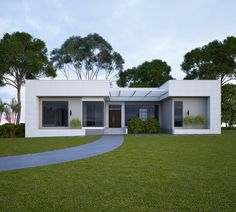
column 216, row 60
column 228, row 104
column 22, row 57
column 148, row 74
column 87, row 57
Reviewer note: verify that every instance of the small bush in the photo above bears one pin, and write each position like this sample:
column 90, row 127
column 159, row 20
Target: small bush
column 152, row 126
column 136, row 125
column 75, row 123
column 189, row 120
column 200, row 119
column 12, row 130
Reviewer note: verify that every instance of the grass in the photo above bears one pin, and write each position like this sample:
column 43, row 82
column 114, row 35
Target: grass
column 17, row 146
column 147, row 173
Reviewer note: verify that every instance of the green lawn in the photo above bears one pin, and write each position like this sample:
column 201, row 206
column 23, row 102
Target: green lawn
column 16, row 146
column 147, row 173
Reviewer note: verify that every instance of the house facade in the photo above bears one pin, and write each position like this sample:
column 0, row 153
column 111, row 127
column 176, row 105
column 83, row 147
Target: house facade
column 102, row 109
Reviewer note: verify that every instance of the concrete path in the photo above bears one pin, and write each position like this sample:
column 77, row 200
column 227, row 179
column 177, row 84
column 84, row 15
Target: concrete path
column 100, row 146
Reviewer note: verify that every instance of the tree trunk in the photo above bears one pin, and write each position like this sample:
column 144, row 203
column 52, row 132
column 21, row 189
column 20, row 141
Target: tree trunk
column 19, row 101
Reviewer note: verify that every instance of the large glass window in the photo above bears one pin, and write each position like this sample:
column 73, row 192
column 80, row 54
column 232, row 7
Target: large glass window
column 55, row 114
column 93, row 114
column 178, row 113
column 143, row 112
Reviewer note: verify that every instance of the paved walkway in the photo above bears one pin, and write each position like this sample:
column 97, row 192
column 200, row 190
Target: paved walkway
column 100, row 146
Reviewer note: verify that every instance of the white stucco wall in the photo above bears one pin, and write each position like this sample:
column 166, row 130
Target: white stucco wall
column 62, row 89
column 195, row 92
column 166, row 115
column 211, row 89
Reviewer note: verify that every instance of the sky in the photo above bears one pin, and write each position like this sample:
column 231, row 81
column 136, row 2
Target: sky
column 140, row 30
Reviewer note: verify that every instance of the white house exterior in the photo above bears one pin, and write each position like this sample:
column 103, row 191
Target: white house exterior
column 52, row 104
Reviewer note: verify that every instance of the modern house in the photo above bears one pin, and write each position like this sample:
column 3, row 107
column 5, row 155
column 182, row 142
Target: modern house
column 102, row 109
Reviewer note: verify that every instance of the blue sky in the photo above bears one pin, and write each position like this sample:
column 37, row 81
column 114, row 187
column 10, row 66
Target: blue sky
column 139, row 30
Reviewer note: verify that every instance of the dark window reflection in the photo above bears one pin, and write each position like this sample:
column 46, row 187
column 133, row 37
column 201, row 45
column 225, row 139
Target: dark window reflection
column 55, row 113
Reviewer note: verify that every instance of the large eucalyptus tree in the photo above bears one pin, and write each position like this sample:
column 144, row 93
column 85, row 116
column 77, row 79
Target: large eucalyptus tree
column 88, row 57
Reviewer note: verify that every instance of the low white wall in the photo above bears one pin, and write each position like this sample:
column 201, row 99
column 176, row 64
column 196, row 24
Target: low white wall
column 57, row 132
column 193, row 131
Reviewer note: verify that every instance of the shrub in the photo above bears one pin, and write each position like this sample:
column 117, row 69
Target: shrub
column 200, row 119
column 75, row 123
column 152, row 126
column 188, row 120
column 12, row 130
column 20, row 130
column 195, row 120
column 136, row 125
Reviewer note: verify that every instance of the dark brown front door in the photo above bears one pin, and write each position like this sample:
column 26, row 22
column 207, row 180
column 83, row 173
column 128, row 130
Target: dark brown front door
column 114, row 118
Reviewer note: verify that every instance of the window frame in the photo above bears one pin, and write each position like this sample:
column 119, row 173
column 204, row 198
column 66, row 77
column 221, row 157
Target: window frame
column 151, row 110
column 181, row 116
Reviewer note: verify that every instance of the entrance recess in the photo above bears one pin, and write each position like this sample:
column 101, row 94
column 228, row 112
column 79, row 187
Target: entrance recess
column 114, row 116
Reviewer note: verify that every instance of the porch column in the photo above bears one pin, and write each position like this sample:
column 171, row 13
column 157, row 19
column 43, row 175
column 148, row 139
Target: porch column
column 123, row 115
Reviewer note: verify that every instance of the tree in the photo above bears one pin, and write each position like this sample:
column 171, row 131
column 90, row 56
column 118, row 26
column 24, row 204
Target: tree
column 22, row 57
column 148, row 74
column 88, row 57
column 2, row 104
column 228, row 104
column 7, row 111
column 15, row 108
column 216, row 60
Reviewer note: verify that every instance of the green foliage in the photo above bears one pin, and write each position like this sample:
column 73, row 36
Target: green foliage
column 195, row 120
column 200, row 119
column 216, row 60
column 136, row 125
column 12, row 130
column 75, row 123
column 152, row 126
column 228, row 104
column 189, row 120
column 148, row 74
column 87, row 57
column 22, row 57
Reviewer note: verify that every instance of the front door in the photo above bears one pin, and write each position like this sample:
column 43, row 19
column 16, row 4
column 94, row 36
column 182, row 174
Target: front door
column 115, row 116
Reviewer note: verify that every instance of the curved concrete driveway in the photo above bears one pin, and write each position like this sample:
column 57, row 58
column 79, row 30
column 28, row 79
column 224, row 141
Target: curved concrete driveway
column 100, row 146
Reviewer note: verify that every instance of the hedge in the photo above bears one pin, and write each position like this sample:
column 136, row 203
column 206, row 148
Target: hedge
column 12, row 130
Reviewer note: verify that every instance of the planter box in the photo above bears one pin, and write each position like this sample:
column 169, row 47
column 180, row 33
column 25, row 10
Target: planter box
column 194, row 126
